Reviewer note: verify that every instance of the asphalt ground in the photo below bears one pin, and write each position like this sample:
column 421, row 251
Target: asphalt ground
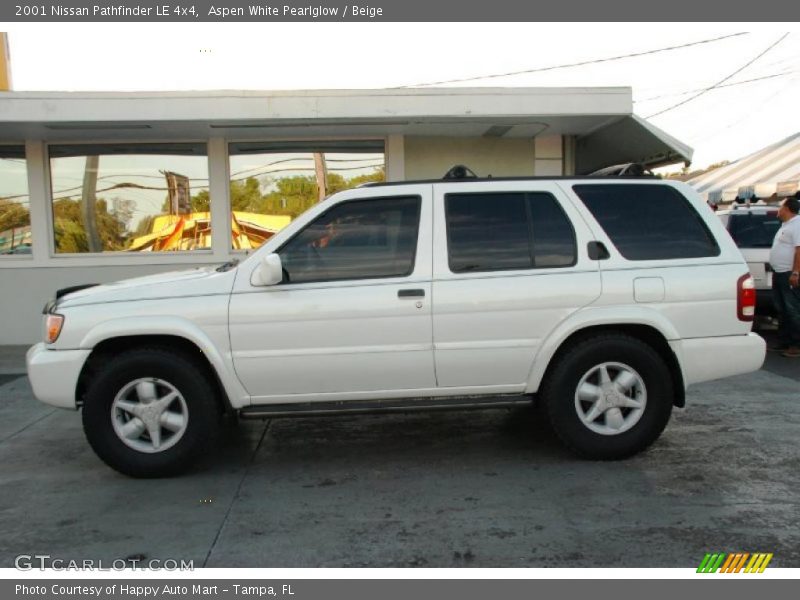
column 460, row 489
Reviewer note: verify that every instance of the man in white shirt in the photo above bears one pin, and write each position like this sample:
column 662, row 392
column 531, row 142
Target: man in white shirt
column 784, row 257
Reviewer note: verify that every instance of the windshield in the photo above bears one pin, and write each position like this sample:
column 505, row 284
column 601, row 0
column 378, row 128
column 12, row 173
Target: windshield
column 754, row 230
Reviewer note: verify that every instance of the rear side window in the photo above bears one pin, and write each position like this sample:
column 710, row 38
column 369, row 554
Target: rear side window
column 503, row 231
column 754, row 230
column 648, row 222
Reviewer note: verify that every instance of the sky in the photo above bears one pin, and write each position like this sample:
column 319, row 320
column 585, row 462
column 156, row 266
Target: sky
column 738, row 116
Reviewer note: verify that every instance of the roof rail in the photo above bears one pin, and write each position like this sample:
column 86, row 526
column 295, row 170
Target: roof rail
column 630, row 169
column 464, row 173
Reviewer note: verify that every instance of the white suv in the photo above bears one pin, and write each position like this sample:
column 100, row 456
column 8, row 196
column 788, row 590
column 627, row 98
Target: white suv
column 602, row 297
column 753, row 228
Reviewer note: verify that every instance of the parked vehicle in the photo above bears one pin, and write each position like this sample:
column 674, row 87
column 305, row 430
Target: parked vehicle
column 602, row 297
column 753, row 228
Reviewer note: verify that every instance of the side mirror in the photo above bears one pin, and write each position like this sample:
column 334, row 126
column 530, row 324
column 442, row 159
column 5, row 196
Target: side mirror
column 268, row 272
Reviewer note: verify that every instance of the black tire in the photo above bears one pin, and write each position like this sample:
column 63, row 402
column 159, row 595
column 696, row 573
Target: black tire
column 175, row 368
column 559, row 390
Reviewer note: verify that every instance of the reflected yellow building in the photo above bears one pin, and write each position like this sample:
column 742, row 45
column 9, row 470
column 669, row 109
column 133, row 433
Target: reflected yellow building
column 193, row 231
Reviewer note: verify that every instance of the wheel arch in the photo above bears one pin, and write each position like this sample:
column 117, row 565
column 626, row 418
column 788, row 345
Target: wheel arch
column 122, row 337
column 648, row 332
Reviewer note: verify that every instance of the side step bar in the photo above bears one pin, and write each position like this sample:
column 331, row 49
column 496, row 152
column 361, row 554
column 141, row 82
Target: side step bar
column 362, row 407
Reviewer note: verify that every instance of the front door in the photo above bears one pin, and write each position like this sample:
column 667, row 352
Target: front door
column 353, row 314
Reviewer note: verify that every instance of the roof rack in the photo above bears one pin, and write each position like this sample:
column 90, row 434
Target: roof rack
column 460, row 172
column 463, row 173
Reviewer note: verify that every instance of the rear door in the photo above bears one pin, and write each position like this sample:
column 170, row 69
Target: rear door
column 510, row 264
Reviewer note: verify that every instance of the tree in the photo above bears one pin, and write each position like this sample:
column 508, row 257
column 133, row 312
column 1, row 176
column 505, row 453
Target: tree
column 13, row 215
column 246, row 195
column 70, row 233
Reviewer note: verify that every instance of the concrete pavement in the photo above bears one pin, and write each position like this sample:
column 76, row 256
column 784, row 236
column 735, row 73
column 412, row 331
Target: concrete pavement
column 472, row 488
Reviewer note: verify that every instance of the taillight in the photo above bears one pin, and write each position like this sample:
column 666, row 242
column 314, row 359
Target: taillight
column 745, row 298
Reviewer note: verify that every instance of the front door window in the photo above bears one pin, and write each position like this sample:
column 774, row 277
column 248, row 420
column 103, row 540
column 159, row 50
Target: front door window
column 361, row 239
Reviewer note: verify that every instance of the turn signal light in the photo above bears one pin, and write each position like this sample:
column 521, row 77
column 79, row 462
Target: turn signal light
column 746, row 298
column 53, row 326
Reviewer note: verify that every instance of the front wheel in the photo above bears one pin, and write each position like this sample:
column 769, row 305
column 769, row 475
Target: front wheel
column 609, row 396
column 149, row 412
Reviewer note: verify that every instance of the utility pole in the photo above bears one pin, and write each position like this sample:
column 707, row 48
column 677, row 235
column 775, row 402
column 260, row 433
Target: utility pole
column 5, row 63
column 321, row 170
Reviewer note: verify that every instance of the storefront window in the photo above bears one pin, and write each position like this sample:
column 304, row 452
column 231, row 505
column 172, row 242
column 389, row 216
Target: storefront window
column 271, row 184
column 130, row 197
column 15, row 217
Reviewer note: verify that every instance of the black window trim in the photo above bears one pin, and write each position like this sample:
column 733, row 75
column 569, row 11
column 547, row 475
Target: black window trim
column 531, row 238
column 694, row 212
column 407, row 274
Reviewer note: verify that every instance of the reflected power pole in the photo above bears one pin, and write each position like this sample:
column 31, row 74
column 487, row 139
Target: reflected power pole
column 322, row 175
column 88, row 203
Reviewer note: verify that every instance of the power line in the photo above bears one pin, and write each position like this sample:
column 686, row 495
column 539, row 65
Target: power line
column 305, row 169
column 718, row 87
column 579, row 64
column 746, row 114
column 721, row 81
column 300, row 159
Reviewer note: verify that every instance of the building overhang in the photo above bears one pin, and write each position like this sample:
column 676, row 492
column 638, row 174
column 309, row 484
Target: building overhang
column 618, row 140
column 600, row 118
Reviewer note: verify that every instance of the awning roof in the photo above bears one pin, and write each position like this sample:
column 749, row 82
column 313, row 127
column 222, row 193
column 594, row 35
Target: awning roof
column 601, row 118
column 628, row 139
column 761, row 170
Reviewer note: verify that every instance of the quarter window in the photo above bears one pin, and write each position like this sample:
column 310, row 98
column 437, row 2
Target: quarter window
column 503, row 231
column 648, row 222
column 361, row 239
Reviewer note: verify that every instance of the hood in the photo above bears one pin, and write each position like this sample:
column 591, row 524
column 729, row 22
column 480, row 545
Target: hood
column 204, row 281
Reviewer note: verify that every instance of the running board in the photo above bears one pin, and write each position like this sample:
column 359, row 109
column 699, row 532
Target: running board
column 363, row 407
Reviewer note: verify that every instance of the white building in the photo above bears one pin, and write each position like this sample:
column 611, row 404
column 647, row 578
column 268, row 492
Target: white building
column 96, row 187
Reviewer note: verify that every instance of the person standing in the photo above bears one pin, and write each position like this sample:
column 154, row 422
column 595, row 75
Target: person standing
column 784, row 257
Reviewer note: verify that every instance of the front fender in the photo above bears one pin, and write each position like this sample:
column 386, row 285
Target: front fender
column 594, row 316
column 176, row 327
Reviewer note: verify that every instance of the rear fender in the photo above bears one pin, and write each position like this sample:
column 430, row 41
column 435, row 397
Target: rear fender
column 595, row 317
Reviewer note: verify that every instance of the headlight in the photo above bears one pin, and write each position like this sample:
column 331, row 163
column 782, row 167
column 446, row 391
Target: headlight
column 53, row 325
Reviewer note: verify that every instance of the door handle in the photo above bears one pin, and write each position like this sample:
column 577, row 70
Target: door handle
column 411, row 293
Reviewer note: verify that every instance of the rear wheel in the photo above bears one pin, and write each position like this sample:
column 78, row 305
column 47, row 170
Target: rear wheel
column 149, row 412
column 609, row 396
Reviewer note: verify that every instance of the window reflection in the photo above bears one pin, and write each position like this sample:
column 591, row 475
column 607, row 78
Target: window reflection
column 355, row 240
column 15, row 218
column 271, row 184
column 130, row 197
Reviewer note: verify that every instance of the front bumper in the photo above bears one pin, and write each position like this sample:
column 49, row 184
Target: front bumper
column 705, row 359
column 54, row 374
